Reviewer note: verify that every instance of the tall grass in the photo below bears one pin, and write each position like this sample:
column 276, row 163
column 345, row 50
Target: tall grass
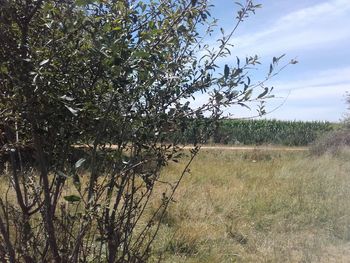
column 259, row 207
column 254, row 206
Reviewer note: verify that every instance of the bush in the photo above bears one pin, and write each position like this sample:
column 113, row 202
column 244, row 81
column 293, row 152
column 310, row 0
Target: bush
column 108, row 75
column 332, row 142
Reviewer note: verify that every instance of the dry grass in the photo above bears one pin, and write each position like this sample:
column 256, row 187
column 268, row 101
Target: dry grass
column 255, row 206
column 259, row 207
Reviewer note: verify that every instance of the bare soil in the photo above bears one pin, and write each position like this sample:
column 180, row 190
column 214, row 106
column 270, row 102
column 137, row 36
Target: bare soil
column 251, row 148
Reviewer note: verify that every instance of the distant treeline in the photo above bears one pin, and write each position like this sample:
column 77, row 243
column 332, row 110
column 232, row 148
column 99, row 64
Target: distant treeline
column 256, row 132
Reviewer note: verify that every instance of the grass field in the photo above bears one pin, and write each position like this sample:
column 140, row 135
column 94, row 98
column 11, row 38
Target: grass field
column 259, row 206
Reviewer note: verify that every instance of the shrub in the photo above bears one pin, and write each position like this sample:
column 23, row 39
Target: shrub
column 332, row 142
column 112, row 75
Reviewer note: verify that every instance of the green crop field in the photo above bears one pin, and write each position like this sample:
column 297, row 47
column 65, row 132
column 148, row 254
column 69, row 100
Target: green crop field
column 258, row 206
column 291, row 133
column 256, row 132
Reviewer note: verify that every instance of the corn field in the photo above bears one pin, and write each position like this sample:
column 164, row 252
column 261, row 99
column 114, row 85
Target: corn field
column 256, row 132
column 291, row 133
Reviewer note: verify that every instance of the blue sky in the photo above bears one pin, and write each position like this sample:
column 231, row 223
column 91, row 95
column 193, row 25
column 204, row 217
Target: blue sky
column 317, row 33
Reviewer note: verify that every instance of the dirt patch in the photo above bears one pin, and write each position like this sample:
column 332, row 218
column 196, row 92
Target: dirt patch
column 251, row 148
column 225, row 147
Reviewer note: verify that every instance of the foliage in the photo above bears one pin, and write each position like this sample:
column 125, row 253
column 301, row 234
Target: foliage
column 98, row 73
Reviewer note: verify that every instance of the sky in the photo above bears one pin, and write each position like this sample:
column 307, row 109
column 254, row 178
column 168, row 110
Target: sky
column 317, row 34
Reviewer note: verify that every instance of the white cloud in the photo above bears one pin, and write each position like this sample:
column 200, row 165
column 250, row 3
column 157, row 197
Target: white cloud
column 331, row 81
column 321, row 25
column 318, row 97
column 323, row 92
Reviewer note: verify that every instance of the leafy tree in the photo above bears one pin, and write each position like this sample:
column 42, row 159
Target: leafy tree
column 102, row 73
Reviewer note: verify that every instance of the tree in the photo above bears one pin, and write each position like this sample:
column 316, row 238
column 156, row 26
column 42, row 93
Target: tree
column 103, row 73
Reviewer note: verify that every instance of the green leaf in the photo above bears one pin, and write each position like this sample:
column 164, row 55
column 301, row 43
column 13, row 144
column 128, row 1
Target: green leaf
column 42, row 63
column 181, row 29
column 3, row 69
column 275, row 60
column 83, row 2
column 226, row 71
column 79, row 163
column 73, row 111
column 244, row 105
column 151, row 24
column 271, row 69
column 61, row 174
column 141, row 54
column 280, row 57
column 218, row 97
column 264, row 93
column 236, row 72
column 76, row 181
column 117, row 28
column 67, row 98
column 72, row 198
column 248, row 95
